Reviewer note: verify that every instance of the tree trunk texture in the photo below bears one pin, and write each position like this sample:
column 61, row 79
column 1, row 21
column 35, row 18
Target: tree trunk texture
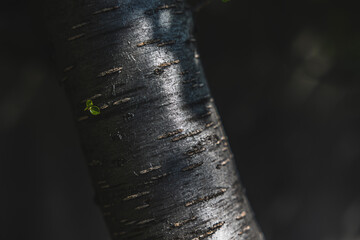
column 158, row 156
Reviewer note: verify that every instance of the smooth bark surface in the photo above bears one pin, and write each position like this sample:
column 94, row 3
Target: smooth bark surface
column 158, row 156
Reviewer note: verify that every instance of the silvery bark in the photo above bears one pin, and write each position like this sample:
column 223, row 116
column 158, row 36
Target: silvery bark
column 158, row 156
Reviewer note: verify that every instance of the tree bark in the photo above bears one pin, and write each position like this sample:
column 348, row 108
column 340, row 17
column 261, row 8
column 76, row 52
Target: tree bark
column 158, row 156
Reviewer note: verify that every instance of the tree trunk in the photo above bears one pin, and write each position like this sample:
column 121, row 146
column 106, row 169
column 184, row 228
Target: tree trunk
column 158, row 156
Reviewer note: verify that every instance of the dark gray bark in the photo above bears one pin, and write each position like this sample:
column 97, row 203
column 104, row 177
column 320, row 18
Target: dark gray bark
column 158, row 156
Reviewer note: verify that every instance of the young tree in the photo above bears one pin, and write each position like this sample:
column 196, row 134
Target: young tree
column 158, row 156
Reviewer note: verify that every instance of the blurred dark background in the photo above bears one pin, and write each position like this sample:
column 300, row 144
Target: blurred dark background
column 285, row 77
